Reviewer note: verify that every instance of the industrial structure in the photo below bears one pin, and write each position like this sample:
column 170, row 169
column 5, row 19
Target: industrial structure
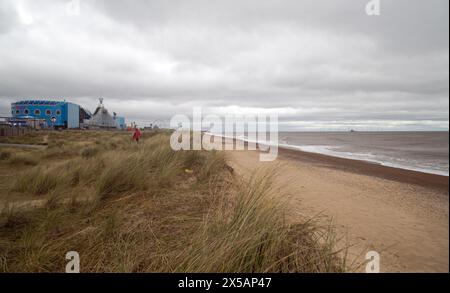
column 101, row 119
column 43, row 114
column 54, row 114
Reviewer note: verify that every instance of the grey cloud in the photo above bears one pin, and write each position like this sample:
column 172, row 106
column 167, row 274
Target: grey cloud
column 419, row 25
column 324, row 59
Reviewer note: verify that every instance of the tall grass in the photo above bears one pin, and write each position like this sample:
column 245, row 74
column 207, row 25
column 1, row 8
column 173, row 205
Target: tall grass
column 35, row 181
column 125, row 173
column 23, row 159
column 41, row 180
column 249, row 233
column 153, row 165
column 89, row 152
column 5, row 155
column 213, row 163
column 145, row 213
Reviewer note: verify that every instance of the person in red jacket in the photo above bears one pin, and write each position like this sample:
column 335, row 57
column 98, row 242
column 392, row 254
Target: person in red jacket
column 137, row 134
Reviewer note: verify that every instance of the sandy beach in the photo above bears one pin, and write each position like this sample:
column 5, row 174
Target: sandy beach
column 401, row 214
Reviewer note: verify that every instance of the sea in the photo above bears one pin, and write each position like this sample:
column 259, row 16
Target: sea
column 419, row 151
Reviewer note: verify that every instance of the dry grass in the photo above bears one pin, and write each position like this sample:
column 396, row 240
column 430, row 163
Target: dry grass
column 213, row 163
column 36, row 181
column 135, row 208
column 248, row 232
column 23, row 159
column 89, row 152
column 5, row 155
column 34, row 138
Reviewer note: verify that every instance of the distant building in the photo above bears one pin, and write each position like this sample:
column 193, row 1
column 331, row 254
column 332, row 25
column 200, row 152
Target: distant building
column 55, row 114
column 40, row 114
column 120, row 121
column 101, row 119
column 84, row 115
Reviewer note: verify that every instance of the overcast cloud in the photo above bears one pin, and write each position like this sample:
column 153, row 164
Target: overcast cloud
column 321, row 64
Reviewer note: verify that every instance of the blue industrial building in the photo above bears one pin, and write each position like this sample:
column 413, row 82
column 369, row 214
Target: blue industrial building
column 56, row 114
column 62, row 114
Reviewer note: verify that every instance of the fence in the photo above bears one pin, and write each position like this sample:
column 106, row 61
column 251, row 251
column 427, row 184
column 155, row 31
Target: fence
column 8, row 130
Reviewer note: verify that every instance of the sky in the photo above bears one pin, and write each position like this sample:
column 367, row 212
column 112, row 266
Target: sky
column 318, row 64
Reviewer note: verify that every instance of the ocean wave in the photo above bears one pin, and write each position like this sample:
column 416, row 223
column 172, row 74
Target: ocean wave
column 397, row 162
column 401, row 163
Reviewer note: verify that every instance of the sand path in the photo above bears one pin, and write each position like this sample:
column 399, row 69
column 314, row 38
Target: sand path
column 407, row 224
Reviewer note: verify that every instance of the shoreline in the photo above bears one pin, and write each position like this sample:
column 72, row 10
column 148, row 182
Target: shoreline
column 419, row 178
column 401, row 214
column 382, row 163
column 429, row 180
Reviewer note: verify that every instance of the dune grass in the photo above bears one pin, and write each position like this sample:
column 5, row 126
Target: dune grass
column 36, row 181
column 34, row 138
column 23, row 159
column 89, row 152
column 146, row 208
column 248, row 232
column 4, row 155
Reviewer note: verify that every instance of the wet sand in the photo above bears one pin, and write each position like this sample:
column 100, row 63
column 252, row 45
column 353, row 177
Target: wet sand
column 401, row 214
column 433, row 181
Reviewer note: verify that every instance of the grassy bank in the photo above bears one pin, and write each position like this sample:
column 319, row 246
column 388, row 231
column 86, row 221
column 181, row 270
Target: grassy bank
column 146, row 208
